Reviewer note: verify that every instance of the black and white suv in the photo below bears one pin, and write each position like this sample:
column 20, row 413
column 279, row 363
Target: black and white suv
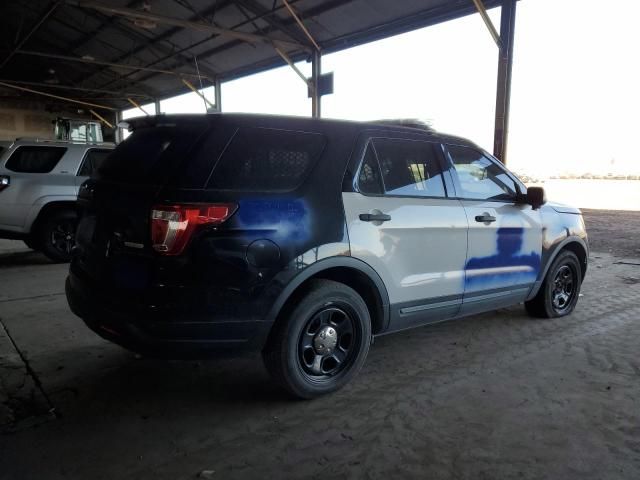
column 39, row 181
column 304, row 239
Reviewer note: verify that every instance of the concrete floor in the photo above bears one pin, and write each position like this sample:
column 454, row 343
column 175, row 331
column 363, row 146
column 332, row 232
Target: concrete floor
column 493, row 396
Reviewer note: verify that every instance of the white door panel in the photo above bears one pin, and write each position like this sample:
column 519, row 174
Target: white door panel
column 419, row 253
column 502, row 253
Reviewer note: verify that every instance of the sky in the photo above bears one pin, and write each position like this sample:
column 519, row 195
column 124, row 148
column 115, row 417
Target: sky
column 575, row 101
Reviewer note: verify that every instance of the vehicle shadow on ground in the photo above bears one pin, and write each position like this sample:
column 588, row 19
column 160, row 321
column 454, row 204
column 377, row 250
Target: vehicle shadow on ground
column 144, row 387
column 23, row 259
column 151, row 386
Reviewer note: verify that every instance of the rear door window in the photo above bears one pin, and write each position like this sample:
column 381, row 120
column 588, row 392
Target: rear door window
column 35, row 159
column 407, row 168
column 267, row 159
column 92, row 161
column 369, row 181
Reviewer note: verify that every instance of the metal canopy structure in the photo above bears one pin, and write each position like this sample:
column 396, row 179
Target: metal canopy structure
column 115, row 53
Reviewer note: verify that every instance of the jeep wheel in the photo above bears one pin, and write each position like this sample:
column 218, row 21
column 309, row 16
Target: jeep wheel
column 322, row 342
column 559, row 292
column 57, row 235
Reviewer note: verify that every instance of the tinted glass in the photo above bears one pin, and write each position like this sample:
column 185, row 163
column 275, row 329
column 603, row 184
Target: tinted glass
column 479, row 177
column 151, row 155
column 92, row 161
column 409, row 168
column 369, row 176
column 35, row 159
column 267, row 160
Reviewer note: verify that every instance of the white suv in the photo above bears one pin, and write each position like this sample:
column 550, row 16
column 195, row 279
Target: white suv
column 39, row 183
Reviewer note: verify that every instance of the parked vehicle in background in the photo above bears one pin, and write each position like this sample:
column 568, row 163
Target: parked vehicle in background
column 305, row 238
column 78, row 130
column 39, row 181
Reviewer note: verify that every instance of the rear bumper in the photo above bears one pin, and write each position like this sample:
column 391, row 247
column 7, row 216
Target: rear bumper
column 160, row 335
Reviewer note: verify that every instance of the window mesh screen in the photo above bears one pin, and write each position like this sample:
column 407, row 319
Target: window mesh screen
column 267, row 160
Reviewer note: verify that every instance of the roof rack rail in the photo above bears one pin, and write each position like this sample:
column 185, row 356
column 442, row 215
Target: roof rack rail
column 406, row 122
column 53, row 140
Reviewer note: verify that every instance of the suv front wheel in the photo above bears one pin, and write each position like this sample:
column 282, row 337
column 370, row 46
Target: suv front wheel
column 560, row 289
column 322, row 342
column 57, row 235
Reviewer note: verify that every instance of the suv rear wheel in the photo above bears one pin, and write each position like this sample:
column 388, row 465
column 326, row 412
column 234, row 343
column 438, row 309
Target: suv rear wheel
column 559, row 292
column 322, row 342
column 57, row 235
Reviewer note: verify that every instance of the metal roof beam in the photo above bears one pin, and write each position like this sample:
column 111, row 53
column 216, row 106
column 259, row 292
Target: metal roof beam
column 300, row 24
column 68, row 58
column 79, row 89
column 147, row 42
column 271, row 63
column 270, row 17
column 57, row 97
column 178, row 22
column 52, row 8
column 487, row 21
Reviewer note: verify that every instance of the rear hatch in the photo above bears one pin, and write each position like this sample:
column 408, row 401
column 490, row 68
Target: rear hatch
column 113, row 237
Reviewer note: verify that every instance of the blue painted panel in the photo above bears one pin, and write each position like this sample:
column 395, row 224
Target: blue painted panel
column 507, row 265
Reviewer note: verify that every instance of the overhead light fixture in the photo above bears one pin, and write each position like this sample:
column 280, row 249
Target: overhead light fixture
column 144, row 23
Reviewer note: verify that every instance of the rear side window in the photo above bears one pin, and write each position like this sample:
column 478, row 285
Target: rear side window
column 151, row 155
column 266, row 159
column 35, row 159
column 92, row 161
column 407, row 167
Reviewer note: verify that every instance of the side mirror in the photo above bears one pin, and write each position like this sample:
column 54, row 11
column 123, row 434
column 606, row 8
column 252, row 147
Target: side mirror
column 536, row 197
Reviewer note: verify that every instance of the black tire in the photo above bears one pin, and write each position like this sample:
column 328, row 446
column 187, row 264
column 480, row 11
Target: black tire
column 321, row 342
column 57, row 235
column 560, row 289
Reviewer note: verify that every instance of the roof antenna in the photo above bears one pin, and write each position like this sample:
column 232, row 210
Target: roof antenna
column 195, row 59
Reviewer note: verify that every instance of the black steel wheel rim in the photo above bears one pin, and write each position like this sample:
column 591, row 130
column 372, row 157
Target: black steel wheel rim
column 328, row 343
column 63, row 236
column 564, row 288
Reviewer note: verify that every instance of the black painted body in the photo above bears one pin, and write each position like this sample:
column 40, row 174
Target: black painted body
column 233, row 280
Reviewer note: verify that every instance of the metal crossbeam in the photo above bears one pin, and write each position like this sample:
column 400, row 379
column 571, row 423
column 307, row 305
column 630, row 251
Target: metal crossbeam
column 487, row 21
column 42, row 19
column 178, row 22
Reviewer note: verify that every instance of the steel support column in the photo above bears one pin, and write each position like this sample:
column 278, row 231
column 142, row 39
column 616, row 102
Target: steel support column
column 503, row 89
column 316, row 71
column 218, row 94
column 118, row 133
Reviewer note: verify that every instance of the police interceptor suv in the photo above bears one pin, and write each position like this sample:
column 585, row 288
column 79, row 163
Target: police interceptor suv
column 304, row 239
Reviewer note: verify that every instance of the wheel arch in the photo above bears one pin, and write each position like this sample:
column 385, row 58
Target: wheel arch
column 49, row 208
column 573, row 244
column 347, row 270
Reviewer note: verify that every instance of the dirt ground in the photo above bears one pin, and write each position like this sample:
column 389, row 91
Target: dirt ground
column 614, row 231
column 494, row 396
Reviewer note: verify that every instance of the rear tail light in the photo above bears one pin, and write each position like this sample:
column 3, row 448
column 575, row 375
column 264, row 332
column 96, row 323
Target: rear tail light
column 173, row 225
column 4, row 182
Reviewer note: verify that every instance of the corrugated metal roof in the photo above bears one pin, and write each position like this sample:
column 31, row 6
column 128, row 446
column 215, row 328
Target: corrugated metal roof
column 75, row 30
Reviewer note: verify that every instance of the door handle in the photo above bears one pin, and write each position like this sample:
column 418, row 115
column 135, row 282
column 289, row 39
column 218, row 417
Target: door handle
column 486, row 218
column 375, row 217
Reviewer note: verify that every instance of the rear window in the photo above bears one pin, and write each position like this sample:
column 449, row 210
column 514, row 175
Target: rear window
column 151, row 155
column 35, row 159
column 267, row 159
